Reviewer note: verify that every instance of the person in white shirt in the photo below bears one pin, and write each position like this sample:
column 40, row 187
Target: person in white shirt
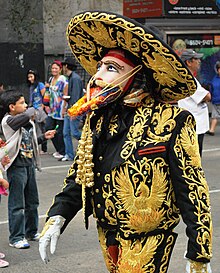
column 196, row 104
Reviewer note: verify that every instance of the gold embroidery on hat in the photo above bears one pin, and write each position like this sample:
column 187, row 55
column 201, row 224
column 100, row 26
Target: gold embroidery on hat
column 101, row 34
column 163, row 71
column 89, row 63
column 90, row 34
column 82, row 44
column 127, row 40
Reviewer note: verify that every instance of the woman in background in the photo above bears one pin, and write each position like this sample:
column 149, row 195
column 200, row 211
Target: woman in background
column 57, row 87
column 37, row 91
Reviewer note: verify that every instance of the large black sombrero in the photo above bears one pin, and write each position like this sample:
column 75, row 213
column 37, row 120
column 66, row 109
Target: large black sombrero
column 91, row 34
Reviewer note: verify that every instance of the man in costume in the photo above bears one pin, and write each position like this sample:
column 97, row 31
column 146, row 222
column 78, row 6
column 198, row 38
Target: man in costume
column 137, row 167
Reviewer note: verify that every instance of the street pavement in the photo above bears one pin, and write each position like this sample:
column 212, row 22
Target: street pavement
column 78, row 250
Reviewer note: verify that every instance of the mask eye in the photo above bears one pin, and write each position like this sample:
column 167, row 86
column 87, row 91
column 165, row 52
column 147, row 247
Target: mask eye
column 98, row 66
column 112, row 68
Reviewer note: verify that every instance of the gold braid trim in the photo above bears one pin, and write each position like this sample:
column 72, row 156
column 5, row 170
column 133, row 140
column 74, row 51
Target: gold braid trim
column 84, row 174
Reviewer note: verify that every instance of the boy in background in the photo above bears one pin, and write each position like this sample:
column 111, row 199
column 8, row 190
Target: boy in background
column 22, row 144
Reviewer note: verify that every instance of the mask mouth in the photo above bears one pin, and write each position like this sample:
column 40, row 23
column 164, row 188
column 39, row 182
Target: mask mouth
column 102, row 91
column 99, row 94
column 105, row 92
column 96, row 87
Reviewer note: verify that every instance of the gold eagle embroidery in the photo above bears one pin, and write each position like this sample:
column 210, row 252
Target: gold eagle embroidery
column 143, row 205
column 133, row 258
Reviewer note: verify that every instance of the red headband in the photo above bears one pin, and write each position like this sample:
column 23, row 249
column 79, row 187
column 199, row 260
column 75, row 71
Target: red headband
column 120, row 57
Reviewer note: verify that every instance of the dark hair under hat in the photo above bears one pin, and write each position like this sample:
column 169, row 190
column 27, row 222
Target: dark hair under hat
column 36, row 76
column 70, row 61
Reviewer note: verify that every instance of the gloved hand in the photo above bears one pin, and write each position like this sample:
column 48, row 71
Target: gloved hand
column 50, row 234
column 197, row 267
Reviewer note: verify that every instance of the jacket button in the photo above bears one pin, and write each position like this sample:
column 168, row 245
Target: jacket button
column 97, row 190
column 98, row 206
column 101, row 158
column 98, row 174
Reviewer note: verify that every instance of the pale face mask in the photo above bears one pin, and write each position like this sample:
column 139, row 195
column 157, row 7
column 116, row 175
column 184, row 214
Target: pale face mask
column 114, row 75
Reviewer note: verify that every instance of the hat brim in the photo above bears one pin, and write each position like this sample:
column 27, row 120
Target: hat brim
column 199, row 55
column 91, row 34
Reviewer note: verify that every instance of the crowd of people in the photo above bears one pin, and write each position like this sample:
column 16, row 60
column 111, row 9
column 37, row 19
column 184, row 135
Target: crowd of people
column 137, row 156
column 26, row 127
column 52, row 100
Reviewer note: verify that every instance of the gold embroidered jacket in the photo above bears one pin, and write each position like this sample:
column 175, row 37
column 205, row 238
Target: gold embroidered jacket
column 147, row 173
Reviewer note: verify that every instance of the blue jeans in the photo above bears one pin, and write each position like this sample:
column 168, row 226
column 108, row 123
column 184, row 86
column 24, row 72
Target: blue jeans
column 58, row 141
column 22, row 203
column 70, row 129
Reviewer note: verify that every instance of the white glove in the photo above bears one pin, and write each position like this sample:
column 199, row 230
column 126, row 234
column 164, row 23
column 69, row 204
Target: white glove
column 50, row 234
column 197, row 267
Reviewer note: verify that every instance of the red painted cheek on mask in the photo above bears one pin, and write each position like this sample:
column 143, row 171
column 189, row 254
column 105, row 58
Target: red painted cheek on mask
column 128, row 84
column 94, row 91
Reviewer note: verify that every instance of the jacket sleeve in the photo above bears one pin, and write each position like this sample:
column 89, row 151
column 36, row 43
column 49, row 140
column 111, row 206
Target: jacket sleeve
column 20, row 120
column 69, row 201
column 41, row 139
column 75, row 89
column 191, row 189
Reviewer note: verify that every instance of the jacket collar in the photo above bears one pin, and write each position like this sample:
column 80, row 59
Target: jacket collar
column 119, row 125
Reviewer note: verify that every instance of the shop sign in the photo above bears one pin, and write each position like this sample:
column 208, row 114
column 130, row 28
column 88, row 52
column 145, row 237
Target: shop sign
column 196, row 40
column 142, row 9
column 179, row 42
column 193, row 8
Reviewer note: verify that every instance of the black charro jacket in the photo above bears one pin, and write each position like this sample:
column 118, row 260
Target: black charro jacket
column 147, row 173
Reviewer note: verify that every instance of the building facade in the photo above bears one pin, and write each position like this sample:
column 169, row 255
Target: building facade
column 37, row 36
